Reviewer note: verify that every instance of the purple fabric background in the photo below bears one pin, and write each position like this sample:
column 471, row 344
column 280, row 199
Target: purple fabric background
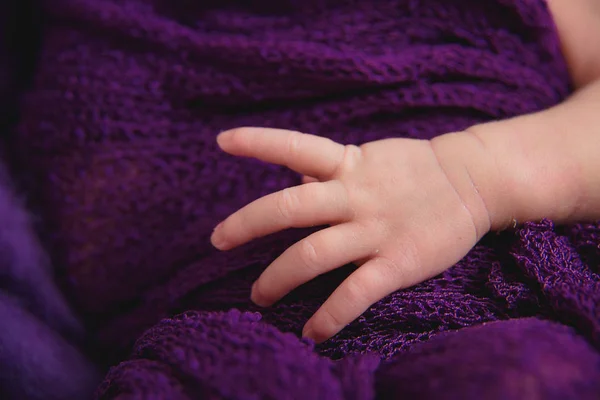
column 116, row 149
column 40, row 339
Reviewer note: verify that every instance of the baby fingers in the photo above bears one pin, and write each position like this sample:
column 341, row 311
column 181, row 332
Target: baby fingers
column 370, row 283
column 296, row 207
column 317, row 254
column 307, row 154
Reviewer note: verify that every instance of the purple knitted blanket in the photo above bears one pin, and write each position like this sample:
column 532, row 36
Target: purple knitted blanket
column 116, row 146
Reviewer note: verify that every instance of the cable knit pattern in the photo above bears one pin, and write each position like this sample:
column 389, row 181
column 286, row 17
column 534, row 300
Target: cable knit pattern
column 120, row 130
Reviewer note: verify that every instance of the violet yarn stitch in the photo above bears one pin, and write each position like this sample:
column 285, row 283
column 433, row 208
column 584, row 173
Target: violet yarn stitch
column 120, row 128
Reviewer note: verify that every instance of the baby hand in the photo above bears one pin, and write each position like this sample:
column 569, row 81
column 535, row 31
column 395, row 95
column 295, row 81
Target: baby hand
column 405, row 208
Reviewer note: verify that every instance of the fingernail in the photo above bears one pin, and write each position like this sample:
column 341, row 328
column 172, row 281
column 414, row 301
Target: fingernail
column 216, row 238
column 255, row 296
column 225, row 135
column 307, row 333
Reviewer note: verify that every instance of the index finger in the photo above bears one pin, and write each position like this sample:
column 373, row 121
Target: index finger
column 304, row 153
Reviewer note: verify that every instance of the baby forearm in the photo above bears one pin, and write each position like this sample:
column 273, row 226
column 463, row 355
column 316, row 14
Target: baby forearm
column 541, row 165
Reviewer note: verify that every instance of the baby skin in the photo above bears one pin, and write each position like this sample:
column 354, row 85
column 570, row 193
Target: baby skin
column 405, row 210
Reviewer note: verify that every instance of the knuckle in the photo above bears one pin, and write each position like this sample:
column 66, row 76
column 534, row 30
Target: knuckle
column 403, row 265
column 346, row 200
column 330, row 323
column 410, row 257
column 293, row 145
column 351, row 155
column 389, row 264
column 287, row 204
column 356, row 292
column 392, row 270
column 376, row 227
column 308, row 255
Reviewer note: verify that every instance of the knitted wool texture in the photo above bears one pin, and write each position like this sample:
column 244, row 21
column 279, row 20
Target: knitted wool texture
column 119, row 132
